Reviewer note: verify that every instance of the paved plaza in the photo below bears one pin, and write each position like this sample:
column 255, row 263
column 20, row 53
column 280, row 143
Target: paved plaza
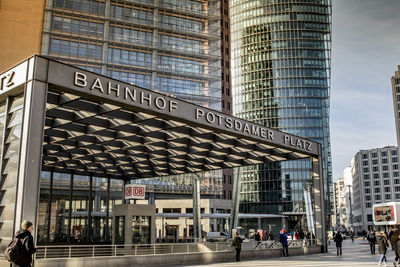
column 355, row 254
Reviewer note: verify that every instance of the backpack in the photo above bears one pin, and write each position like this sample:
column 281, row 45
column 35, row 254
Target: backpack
column 14, row 252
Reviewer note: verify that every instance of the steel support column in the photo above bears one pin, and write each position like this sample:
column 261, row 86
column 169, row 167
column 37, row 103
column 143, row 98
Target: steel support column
column 319, row 202
column 29, row 172
column 233, row 223
column 196, row 208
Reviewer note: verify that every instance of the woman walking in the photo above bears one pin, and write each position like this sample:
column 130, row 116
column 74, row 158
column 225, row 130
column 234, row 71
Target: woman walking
column 382, row 242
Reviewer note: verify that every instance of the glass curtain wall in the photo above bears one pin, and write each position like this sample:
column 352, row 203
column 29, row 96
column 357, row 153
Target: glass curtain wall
column 166, row 45
column 11, row 113
column 280, row 79
column 76, row 208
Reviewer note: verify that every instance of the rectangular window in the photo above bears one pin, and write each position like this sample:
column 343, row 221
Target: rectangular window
column 387, row 189
column 377, row 197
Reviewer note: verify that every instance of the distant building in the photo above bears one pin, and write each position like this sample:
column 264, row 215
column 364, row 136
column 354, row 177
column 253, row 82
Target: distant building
column 396, row 101
column 339, row 190
column 376, row 179
column 348, row 197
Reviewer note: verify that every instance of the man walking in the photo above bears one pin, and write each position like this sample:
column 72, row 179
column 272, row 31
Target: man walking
column 338, row 240
column 237, row 242
column 284, row 241
column 372, row 240
column 25, row 235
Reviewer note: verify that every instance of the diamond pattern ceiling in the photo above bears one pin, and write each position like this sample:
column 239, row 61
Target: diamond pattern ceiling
column 87, row 137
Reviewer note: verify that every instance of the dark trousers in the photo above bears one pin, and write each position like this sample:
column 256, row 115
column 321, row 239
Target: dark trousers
column 238, row 254
column 372, row 247
column 395, row 248
column 339, row 250
column 285, row 248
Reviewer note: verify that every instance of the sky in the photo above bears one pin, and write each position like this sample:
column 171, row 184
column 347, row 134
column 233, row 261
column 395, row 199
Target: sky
column 365, row 55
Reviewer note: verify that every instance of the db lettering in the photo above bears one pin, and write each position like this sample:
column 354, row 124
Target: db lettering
column 138, row 191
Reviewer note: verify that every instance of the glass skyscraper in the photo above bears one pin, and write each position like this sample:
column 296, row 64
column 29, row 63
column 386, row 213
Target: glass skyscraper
column 281, row 79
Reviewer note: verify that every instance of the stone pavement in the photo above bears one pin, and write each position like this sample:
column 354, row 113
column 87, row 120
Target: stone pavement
column 355, row 254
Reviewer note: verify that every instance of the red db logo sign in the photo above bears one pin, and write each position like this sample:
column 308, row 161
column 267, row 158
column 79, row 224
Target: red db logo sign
column 134, row 191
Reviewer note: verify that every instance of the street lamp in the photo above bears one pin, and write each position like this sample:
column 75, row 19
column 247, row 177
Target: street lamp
column 351, row 212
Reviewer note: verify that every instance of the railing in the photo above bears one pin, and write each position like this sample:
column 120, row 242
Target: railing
column 51, row 252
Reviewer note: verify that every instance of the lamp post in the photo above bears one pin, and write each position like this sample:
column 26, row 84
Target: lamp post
column 351, row 212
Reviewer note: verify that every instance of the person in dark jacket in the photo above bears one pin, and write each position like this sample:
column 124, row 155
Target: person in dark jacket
column 283, row 240
column 238, row 245
column 382, row 242
column 338, row 240
column 25, row 235
column 394, row 237
column 372, row 240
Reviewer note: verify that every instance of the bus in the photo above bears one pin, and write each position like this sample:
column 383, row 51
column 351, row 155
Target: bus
column 386, row 213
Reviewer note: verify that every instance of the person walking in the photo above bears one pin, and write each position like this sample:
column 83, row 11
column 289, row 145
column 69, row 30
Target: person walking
column 338, row 240
column 238, row 245
column 25, row 235
column 394, row 238
column 352, row 236
column 257, row 238
column 283, row 239
column 372, row 240
column 382, row 242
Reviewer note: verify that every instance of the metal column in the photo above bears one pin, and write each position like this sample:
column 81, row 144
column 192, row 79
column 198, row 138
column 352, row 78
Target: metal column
column 29, row 171
column 233, row 224
column 196, row 208
column 319, row 201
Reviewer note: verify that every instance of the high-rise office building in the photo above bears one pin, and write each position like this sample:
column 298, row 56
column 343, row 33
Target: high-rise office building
column 281, row 79
column 396, row 101
column 376, row 179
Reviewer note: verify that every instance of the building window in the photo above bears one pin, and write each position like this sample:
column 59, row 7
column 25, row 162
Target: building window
column 397, row 196
column 383, row 153
column 375, row 169
column 369, row 217
column 376, row 182
column 364, row 156
column 374, row 155
column 230, row 179
column 367, row 191
column 377, row 197
column 365, row 169
column 394, row 152
column 366, row 184
column 376, row 175
column 224, row 178
column 368, row 205
column 366, row 176
column 394, row 159
column 395, row 167
column 386, row 182
column 384, row 160
column 395, row 174
column 397, row 188
column 387, row 196
column 365, row 163
column 387, row 189
column 385, row 175
column 375, row 162
column 377, row 190
column 367, row 198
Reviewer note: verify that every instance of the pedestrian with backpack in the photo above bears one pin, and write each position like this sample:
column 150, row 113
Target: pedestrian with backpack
column 21, row 249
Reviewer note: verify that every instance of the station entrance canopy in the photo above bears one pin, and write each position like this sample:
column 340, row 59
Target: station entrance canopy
column 80, row 122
